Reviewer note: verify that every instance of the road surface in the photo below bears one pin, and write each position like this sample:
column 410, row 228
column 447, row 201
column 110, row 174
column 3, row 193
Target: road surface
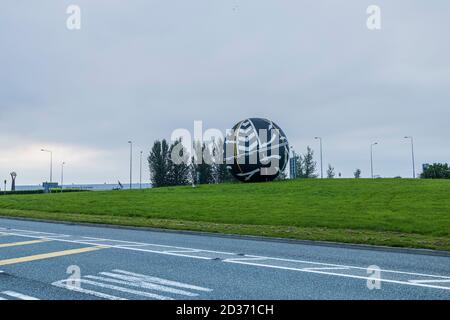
column 41, row 260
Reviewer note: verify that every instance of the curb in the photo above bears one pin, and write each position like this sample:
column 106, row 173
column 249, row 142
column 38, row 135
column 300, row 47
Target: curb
column 332, row 244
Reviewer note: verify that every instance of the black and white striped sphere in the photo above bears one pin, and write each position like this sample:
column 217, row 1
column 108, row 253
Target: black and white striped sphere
column 256, row 158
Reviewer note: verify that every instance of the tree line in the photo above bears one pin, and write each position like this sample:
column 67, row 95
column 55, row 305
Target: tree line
column 307, row 167
column 436, row 171
column 165, row 171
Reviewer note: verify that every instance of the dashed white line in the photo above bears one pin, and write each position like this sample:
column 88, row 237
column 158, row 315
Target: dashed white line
column 18, row 295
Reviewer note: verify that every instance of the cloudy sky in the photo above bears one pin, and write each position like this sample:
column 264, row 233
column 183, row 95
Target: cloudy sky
column 140, row 69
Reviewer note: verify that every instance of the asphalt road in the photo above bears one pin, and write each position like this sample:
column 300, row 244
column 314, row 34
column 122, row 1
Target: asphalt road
column 57, row 261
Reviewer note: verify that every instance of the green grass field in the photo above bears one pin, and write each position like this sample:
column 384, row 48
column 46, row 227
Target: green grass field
column 394, row 212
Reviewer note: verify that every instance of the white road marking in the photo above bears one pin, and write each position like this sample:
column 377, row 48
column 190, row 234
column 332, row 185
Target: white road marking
column 134, row 282
column 340, row 275
column 121, row 244
column 60, row 284
column 429, row 281
column 328, row 268
column 129, row 245
column 129, row 279
column 245, row 259
column 18, row 295
column 183, row 251
column 163, row 281
column 126, row 290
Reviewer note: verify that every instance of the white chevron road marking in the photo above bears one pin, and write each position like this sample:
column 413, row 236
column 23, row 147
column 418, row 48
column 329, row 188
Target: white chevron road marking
column 64, row 285
column 135, row 282
column 163, row 281
column 18, row 295
column 146, row 284
column 125, row 290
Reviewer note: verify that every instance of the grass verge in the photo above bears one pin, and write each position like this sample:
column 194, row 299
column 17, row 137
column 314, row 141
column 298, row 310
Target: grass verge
column 390, row 212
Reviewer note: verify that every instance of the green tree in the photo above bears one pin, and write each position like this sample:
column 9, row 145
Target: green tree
column 205, row 168
column 220, row 170
column 168, row 164
column 300, row 169
column 178, row 169
column 158, row 163
column 436, row 171
column 306, row 166
column 202, row 164
column 330, row 172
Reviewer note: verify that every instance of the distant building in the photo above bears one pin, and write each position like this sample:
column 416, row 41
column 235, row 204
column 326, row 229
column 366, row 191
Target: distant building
column 49, row 185
column 293, row 167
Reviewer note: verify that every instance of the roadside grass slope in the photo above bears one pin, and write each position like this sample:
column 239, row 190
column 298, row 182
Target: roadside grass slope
column 394, row 212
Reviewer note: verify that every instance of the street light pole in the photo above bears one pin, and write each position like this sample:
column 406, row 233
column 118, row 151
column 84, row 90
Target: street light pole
column 321, row 157
column 293, row 164
column 51, row 163
column 371, row 157
column 140, row 171
column 62, row 176
column 131, row 163
column 412, row 156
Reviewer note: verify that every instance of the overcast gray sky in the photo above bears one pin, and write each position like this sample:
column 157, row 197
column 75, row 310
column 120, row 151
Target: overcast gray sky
column 140, row 69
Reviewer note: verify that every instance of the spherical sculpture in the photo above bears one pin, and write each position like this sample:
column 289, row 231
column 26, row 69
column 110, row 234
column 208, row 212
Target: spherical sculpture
column 256, row 150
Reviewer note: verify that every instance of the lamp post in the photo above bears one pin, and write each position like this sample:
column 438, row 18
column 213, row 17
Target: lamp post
column 51, row 163
column 321, row 156
column 131, row 163
column 412, row 156
column 140, row 171
column 62, row 176
column 371, row 157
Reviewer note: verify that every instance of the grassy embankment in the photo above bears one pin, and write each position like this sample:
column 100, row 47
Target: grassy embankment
column 394, row 212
